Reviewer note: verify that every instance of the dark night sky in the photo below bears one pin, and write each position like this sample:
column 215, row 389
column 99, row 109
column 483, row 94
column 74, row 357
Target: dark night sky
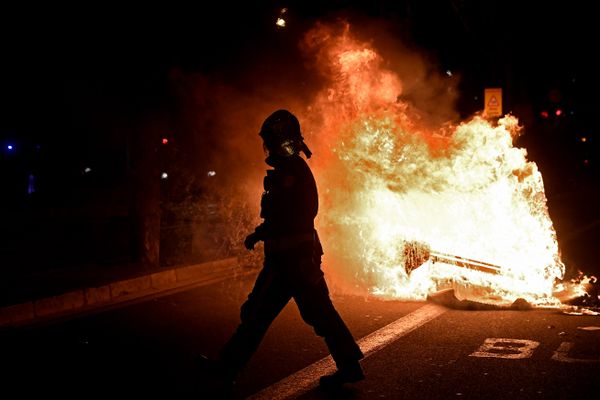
column 53, row 57
column 113, row 41
column 65, row 68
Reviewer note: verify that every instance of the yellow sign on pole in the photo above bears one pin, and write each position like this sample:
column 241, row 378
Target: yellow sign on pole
column 493, row 102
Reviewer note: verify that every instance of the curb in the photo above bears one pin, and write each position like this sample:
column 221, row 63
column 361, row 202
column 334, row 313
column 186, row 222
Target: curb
column 120, row 291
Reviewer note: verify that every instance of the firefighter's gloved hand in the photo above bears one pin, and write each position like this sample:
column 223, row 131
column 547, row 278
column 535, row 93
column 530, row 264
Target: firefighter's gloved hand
column 251, row 240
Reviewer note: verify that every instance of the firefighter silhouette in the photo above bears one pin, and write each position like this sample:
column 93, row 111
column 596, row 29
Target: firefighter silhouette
column 292, row 261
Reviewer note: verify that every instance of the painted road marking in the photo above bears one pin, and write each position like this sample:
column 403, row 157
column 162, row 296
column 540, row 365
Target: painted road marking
column 506, row 348
column 562, row 354
column 307, row 378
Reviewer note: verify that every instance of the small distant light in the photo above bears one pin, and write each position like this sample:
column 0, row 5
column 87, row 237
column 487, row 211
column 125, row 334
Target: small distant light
column 280, row 22
column 544, row 114
column 283, row 10
column 476, row 98
column 87, row 170
column 571, row 112
column 212, row 173
column 559, row 112
column 165, row 141
column 586, row 162
column 584, row 139
column 164, row 175
column 31, row 184
column 9, row 147
column 448, row 72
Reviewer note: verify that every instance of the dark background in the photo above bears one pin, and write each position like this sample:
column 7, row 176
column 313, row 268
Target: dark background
column 91, row 86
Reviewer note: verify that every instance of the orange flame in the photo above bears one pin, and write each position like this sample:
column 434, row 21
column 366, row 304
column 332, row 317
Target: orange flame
column 387, row 180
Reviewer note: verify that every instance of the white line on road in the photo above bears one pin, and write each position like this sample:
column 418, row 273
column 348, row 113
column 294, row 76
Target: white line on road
column 562, row 354
column 307, row 378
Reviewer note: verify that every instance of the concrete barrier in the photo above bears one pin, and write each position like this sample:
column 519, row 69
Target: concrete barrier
column 120, row 291
column 163, row 280
column 200, row 271
column 95, row 295
column 60, row 303
column 130, row 286
column 17, row 313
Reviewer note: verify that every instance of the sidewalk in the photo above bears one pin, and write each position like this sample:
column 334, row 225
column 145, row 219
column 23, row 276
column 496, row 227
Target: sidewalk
column 60, row 293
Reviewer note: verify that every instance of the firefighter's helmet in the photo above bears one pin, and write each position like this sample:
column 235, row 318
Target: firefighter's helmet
column 282, row 136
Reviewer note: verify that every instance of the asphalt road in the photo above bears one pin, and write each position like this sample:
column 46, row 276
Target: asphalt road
column 146, row 349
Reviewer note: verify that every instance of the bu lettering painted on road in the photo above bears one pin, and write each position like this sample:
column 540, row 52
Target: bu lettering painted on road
column 514, row 349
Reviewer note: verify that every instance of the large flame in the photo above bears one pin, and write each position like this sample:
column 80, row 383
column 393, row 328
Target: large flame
column 387, row 180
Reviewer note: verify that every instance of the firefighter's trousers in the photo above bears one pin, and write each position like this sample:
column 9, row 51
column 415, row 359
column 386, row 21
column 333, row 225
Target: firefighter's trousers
column 283, row 277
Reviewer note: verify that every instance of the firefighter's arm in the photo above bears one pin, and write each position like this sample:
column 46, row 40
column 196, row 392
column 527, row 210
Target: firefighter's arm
column 250, row 241
column 256, row 236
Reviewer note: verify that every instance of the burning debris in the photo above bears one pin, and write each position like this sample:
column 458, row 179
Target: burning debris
column 394, row 183
column 581, row 311
column 576, row 293
column 416, row 254
column 579, row 293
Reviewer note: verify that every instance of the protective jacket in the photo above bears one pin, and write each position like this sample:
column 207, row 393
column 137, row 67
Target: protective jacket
column 289, row 205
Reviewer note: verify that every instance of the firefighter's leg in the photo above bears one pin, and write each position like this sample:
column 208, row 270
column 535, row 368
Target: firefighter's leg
column 318, row 311
column 268, row 297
